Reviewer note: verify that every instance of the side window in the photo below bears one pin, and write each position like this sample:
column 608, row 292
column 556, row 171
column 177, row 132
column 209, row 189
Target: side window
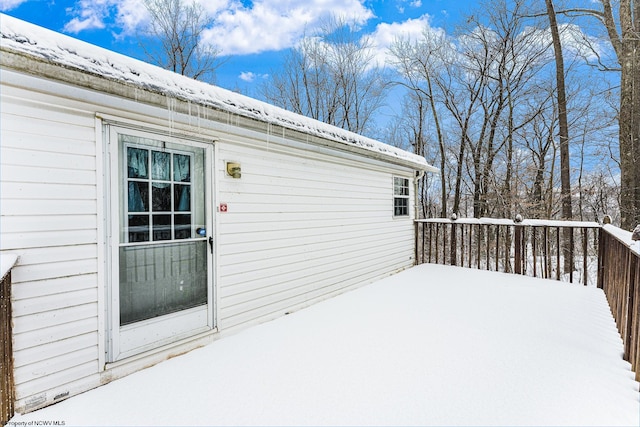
column 400, row 196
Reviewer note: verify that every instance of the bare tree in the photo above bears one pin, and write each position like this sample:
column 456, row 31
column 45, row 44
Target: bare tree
column 173, row 39
column 418, row 63
column 622, row 27
column 487, row 101
column 504, row 57
column 331, row 77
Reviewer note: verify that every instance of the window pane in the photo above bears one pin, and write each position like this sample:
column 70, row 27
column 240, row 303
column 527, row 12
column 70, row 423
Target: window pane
column 161, row 165
column 400, row 206
column 137, row 163
column 182, row 194
column 400, row 186
column 162, row 227
column 181, row 168
column 138, row 228
column 138, row 197
column 183, row 226
column 161, row 196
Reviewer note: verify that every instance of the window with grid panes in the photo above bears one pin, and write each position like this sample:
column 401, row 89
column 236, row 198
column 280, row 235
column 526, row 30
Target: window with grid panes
column 159, row 194
column 400, row 196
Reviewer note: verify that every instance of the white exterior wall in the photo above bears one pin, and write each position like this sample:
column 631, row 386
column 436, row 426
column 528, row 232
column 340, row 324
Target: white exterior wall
column 303, row 223
column 301, row 227
column 50, row 219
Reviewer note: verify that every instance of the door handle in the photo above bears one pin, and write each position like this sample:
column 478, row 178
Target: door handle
column 211, row 243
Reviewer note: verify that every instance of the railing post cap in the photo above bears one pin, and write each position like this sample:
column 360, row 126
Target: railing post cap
column 606, row 219
column 518, row 218
column 453, row 216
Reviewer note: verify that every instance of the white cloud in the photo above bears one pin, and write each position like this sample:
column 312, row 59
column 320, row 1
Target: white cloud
column 385, row 34
column 86, row 23
column 131, row 14
column 88, row 15
column 6, row 5
column 270, row 25
column 249, row 76
column 575, row 40
column 401, row 5
column 263, row 25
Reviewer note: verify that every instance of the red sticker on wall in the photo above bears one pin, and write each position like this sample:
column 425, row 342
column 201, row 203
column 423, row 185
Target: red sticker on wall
column 223, row 207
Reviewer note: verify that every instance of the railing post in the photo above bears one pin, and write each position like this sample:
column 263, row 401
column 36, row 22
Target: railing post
column 437, row 242
column 585, row 249
column 558, row 253
column 453, row 258
column 488, row 245
column 517, row 245
column 546, row 255
column 534, row 250
column 6, row 352
column 569, row 264
column 430, row 239
column 602, row 242
column 497, row 247
column 630, row 315
column 462, row 248
column 416, row 239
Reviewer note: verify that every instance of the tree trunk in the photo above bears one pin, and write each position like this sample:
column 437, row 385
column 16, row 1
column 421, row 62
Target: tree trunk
column 565, row 171
column 626, row 45
column 443, row 154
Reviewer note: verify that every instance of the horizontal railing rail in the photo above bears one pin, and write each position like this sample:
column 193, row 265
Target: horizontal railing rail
column 561, row 250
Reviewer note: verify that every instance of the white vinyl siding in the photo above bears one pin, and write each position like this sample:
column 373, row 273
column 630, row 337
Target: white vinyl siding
column 49, row 217
column 301, row 228
column 304, row 223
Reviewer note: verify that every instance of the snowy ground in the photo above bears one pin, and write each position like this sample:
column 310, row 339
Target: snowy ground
column 434, row 345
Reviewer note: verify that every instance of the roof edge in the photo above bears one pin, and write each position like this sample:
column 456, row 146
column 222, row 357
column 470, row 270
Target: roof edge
column 37, row 51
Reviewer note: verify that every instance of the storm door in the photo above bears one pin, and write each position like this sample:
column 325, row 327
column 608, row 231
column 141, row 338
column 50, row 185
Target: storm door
column 161, row 278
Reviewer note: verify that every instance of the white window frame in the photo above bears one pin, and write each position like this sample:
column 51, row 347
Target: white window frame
column 401, row 191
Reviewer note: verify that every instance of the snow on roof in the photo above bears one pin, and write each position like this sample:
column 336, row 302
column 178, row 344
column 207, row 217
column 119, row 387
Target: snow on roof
column 26, row 38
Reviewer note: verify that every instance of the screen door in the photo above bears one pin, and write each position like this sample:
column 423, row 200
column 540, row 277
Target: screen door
column 161, row 282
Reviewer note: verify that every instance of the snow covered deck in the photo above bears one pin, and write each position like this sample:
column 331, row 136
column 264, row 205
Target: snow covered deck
column 434, row 345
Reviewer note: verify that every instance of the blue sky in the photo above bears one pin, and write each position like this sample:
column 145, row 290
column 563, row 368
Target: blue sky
column 252, row 35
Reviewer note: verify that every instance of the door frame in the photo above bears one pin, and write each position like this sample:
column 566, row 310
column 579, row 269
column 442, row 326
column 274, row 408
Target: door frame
column 110, row 131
